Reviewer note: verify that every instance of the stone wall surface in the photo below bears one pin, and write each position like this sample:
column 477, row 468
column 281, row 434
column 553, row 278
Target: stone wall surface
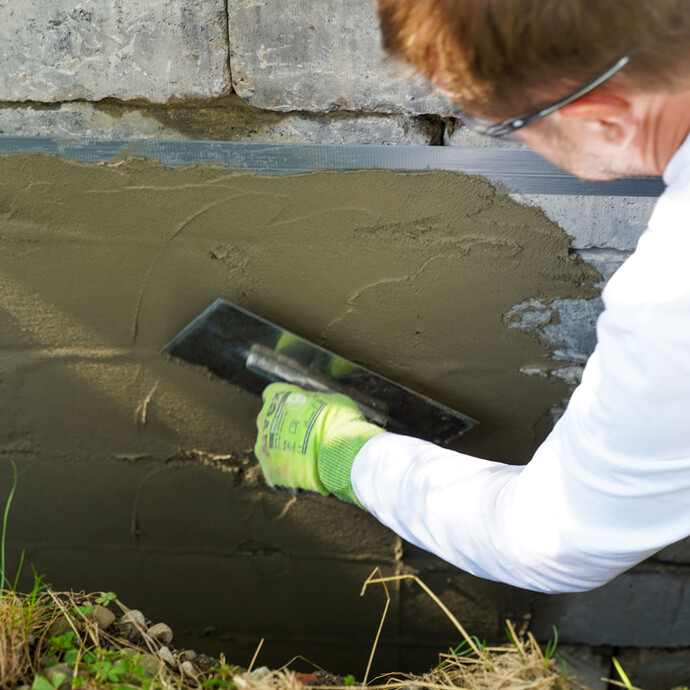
column 320, row 56
column 162, row 501
column 62, row 51
column 227, row 119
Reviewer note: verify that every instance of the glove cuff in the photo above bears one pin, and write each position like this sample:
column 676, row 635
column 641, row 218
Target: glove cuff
column 336, row 457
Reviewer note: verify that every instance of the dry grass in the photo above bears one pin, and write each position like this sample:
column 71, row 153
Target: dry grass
column 22, row 619
column 519, row 666
column 27, row 624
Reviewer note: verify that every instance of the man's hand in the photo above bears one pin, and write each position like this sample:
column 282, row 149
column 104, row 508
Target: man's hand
column 310, row 440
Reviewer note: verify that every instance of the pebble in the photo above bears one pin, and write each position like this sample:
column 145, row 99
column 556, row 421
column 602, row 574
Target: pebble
column 127, row 631
column 259, row 673
column 63, row 669
column 148, row 662
column 161, row 632
column 103, row 617
column 165, row 654
column 60, row 627
column 206, row 662
column 189, row 655
column 189, row 670
column 134, row 616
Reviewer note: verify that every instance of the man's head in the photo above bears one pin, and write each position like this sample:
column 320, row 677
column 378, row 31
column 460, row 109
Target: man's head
column 501, row 58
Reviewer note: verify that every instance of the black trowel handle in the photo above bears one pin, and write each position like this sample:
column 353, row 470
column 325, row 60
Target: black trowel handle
column 275, row 366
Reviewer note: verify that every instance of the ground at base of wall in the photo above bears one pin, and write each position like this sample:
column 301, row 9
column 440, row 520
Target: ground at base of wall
column 63, row 640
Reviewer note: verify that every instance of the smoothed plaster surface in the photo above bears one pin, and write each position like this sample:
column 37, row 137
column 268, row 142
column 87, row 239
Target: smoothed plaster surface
column 140, row 468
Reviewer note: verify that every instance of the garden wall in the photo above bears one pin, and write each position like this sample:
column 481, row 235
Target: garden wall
column 136, row 474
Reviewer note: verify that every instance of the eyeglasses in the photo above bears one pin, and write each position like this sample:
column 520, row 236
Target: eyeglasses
column 504, row 130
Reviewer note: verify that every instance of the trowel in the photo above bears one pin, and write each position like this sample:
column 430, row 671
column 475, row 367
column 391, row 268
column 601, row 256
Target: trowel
column 251, row 352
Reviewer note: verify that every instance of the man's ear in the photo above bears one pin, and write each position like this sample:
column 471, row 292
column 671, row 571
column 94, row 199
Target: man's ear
column 603, row 111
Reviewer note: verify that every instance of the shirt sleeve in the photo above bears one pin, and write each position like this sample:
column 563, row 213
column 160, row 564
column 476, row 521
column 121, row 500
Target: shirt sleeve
column 611, row 483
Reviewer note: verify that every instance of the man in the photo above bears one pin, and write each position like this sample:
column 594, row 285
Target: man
column 601, row 88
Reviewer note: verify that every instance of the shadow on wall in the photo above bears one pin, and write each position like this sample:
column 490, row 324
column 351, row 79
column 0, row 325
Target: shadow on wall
column 137, row 473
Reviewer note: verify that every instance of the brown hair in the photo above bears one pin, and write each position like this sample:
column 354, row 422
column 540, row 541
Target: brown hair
column 502, row 57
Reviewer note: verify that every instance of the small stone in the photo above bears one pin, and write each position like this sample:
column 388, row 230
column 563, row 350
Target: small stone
column 206, row 663
column 134, row 616
column 189, row 670
column 59, row 627
column 189, row 655
column 104, row 618
column 259, row 673
column 126, row 631
column 165, row 654
column 148, row 662
column 161, row 632
column 62, row 669
column 46, row 660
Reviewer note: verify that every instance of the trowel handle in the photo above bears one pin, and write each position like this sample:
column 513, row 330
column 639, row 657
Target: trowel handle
column 275, row 366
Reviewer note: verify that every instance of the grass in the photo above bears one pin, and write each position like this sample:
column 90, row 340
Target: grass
column 51, row 639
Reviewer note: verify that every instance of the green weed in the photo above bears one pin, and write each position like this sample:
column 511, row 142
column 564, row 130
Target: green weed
column 4, row 581
column 622, row 674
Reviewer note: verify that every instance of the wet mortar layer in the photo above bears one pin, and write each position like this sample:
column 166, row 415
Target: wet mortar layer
column 120, row 450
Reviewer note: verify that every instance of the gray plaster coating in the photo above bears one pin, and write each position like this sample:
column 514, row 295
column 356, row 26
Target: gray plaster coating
column 134, row 467
column 320, row 56
column 62, row 50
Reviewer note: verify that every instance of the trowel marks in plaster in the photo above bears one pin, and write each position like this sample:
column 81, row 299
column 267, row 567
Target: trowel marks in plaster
column 408, row 274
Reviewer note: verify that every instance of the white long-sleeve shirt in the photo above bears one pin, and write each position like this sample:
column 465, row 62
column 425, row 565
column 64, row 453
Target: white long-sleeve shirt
column 611, row 483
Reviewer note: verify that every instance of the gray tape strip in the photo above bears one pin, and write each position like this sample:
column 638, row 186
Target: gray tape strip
column 518, row 170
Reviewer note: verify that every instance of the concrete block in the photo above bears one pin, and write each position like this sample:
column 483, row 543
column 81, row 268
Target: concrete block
column 243, row 520
column 676, row 553
column 320, row 56
column 228, row 119
column 272, row 594
column 480, row 606
column 656, row 669
column 61, row 51
column 613, row 222
column 637, row 609
column 585, row 666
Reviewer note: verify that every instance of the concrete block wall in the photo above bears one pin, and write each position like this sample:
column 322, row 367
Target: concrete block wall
column 304, row 71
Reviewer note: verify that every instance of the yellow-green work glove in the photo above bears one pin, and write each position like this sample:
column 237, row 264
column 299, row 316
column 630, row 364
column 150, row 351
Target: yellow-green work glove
column 310, row 440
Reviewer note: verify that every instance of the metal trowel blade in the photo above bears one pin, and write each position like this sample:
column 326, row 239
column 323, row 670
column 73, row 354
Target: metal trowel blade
column 250, row 352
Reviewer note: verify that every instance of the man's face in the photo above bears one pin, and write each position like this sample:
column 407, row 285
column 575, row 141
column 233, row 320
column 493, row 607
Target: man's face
column 584, row 150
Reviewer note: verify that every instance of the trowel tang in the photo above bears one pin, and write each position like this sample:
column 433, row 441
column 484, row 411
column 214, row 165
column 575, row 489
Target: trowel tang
column 250, row 352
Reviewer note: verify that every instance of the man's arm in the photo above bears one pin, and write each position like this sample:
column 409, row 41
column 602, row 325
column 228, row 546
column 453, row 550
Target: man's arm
column 608, row 487
column 611, row 483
